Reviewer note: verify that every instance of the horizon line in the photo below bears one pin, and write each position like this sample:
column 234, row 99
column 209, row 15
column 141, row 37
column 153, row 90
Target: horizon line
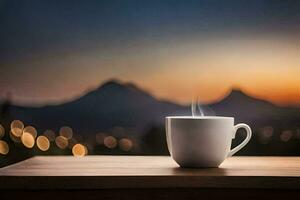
column 9, row 96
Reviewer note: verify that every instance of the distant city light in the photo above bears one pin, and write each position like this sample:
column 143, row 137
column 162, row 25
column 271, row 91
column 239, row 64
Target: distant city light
column 4, row 148
column 125, row 144
column 2, row 131
column 66, row 132
column 27, row 139
column 267, row 131
column 17, row 132
column 265, row 134
column 43, row 143
column 61, row 142
column 110, row 142
column 50, row 134
column 17, row 127
column 79, row 144
column 79, row 150
column 31, row 130
column 17, row 124
column 286, row 135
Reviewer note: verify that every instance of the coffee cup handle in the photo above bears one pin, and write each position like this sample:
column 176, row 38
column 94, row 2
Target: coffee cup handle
column 246, row 140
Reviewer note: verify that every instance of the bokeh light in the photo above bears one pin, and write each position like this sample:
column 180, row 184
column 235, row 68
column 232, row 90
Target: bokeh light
column 4, row 148
column 43, row 143
column 2, row 131
column 17, row 127
column 28, row 139
column 267, row 131
column 17, row 124
column 125, row 144
column 286, row 135
column 66, row 132
column 61, row 142
column 17, row 132
column 31, row 130
column 265, row 134
column 110, row 142
column 50, row 134
column 79, row 150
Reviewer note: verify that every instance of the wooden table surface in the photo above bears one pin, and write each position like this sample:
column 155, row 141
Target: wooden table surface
column 101, row 172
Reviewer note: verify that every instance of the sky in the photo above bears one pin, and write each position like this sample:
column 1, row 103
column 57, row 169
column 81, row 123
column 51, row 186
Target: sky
column 55, row 51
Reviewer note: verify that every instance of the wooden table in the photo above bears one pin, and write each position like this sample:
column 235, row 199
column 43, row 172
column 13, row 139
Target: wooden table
column 149, row 177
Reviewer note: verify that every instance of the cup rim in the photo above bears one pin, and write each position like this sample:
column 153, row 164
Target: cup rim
column 198, row 117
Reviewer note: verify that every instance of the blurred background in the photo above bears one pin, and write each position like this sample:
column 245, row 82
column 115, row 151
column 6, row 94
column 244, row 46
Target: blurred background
column 98, row 77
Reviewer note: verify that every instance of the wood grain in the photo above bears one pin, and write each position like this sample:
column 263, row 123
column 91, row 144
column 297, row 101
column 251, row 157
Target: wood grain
column 102, row 172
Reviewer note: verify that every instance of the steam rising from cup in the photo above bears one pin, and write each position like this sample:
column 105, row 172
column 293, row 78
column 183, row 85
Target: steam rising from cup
column 198, row 110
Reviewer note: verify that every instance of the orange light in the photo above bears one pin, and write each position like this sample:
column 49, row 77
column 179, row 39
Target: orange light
column 27, row 140
column 31, row 130
column 61, row 142
column 4, row 148
column 66, row 132
column 110, row 142
column 125, row 144
column 17, row 124
column 17, row 132
column 43, row 143
column 17, row 127
column 79, row 150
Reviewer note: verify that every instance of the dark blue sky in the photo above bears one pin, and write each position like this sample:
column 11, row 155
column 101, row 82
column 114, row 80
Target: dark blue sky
column 34, row 26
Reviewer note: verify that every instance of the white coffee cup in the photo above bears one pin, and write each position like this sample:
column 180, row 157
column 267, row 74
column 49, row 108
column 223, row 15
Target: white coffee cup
column 202, row 141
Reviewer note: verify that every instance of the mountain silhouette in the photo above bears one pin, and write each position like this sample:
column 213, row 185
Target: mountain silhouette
column 244, row 107
column 112, row 104
column 118, row 104
column 124, row 104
